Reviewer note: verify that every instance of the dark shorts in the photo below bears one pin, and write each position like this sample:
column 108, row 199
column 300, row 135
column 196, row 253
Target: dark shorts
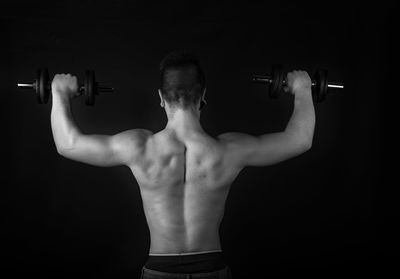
column 195, row 265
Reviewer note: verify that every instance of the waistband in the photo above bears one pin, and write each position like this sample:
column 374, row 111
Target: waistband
column 192, row 262
column 184, row 254
column 223, row 273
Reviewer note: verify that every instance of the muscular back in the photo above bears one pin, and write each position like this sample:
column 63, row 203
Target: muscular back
column 184, row 182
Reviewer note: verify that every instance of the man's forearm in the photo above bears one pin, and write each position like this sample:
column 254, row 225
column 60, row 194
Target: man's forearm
column 63, row 125
column 302, row 122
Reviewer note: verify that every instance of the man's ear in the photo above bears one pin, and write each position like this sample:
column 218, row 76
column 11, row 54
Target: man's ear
column 162, row 104
column 203, row 101
column 204, row 95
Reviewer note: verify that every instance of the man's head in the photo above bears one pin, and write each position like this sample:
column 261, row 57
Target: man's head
column 182, row 81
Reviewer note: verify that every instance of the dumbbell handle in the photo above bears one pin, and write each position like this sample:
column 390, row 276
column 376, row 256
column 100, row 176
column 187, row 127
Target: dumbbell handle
column 102, row 89
column 26, row 85
column 268, row 79
column 105, row 89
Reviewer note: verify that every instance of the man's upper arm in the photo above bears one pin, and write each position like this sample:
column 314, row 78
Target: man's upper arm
column 107, row 151
column 246, row 150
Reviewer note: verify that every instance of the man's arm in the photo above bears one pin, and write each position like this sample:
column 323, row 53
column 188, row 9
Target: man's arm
column 98, row 150
column 247, row 150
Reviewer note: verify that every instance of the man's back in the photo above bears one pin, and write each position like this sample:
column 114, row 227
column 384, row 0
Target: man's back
column 184, row 175
column 184, row 182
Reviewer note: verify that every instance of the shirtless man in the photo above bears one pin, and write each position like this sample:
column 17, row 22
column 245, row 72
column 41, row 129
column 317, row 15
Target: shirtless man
column 184, row 175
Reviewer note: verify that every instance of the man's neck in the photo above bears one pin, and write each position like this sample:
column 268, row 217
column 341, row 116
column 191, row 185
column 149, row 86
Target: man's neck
column 184, row 121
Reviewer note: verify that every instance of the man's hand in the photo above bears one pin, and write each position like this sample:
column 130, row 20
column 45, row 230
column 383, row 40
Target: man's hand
column 65, row 85
column 298, row 82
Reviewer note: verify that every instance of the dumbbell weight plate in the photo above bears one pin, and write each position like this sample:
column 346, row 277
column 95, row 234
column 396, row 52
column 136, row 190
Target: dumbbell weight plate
column 321, row 85
column 90, row 89
column 42, row 86
column 37, row 85
column 276, row 85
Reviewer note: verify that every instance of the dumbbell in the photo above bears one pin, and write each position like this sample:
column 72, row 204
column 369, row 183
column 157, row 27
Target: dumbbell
column 319, row 85
column 42, row 86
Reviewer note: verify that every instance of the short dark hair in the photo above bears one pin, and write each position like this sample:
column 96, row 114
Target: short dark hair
column 182, row 80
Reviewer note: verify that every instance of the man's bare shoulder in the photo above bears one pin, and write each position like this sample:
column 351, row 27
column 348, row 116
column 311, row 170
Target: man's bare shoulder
column 134, row 138
column 238, row 146
column 136, row 135
column 233, row 138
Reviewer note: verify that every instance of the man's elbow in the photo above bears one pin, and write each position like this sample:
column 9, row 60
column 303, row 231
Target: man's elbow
column 307, row 137
column 306, row 144
column 64, row 150
column 302, row 141
column 66, row 145
column 61, row 151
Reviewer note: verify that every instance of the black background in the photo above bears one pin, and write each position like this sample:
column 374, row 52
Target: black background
column 315, row 215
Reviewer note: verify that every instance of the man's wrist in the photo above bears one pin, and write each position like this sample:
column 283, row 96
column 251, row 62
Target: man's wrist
column 303, row 93
column 60, row 97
